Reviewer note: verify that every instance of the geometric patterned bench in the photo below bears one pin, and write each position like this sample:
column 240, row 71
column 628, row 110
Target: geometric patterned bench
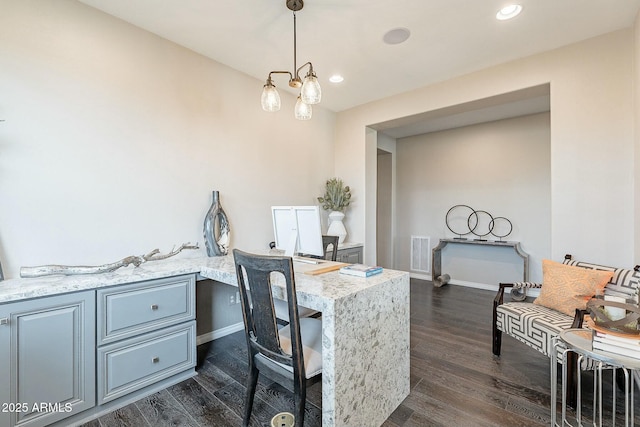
column 536, row 325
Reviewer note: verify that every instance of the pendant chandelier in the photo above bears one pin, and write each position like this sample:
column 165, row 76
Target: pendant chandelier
column 310, row 92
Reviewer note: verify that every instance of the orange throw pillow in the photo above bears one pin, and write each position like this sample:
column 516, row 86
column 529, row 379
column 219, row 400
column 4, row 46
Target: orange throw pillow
column 566, row 287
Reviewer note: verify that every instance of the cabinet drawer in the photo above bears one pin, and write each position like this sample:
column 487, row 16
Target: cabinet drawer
column 130, row 310
column 135, row 363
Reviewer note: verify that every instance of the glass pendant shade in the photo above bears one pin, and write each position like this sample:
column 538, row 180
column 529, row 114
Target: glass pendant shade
column 270, row 98
column 302, row 111
column 311, row 92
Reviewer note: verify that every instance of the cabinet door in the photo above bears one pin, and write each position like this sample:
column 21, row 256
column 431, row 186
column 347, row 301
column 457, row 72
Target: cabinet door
column 48, row 372
column 351, row 255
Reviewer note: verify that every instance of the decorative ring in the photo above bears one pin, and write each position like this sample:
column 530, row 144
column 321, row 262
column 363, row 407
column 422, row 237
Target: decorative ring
column 492, row 226
column 459, row 232
column 489, row 224
column 601, row 319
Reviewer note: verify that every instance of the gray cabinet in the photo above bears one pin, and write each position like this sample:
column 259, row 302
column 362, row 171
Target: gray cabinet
column 47, row 359
column 146, row 333
column 350, row 255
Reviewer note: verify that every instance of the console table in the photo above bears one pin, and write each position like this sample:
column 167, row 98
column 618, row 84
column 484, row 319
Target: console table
column 436, row 256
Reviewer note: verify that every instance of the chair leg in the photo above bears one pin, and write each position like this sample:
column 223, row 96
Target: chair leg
column 572, row 380
column 252, row 381
column 497, row 333
column 300, row 400
column 497, row 340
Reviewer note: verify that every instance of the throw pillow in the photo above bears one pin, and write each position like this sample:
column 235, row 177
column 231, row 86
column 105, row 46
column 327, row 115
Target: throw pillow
column 565, row 287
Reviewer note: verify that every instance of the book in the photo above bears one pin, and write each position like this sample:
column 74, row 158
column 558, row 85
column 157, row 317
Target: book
column 632, row 340
column 616, row 349
column 360, row 270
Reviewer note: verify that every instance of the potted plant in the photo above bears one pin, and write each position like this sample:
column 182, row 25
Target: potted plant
column 336, row 199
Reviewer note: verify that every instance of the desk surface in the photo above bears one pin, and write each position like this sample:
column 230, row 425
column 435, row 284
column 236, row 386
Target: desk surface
column 360, row 386
column 312, row 289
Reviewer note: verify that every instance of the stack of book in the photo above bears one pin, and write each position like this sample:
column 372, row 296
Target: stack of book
column 624, row 345
column 360, row 270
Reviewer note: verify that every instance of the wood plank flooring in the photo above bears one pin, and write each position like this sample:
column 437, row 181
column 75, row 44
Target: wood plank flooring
column 455, row 380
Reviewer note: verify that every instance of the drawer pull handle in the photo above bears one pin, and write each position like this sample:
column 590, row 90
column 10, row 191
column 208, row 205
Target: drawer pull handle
column 154, row 306
column 155, row 360
column 4, row 321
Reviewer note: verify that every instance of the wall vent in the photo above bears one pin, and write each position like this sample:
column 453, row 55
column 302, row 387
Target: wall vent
column 421, row 254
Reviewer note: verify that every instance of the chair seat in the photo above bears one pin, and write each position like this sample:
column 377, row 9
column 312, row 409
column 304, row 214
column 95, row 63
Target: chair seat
column 282, row 310
column 532, row 324
column 311, row 336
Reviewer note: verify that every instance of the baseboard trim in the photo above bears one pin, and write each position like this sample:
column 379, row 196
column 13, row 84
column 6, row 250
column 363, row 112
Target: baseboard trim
column 219, row 333
column 420, row 276
column 535, row 292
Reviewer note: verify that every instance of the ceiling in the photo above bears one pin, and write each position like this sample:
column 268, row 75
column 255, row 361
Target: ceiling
column 448, row 38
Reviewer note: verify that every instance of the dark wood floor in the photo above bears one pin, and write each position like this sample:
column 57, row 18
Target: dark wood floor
column 455, row 380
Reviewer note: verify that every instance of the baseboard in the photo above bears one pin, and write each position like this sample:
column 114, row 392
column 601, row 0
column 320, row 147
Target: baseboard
column 535, row 292
column 457, row 282
column 219, row 333
column 420, row 276
column 475, row 285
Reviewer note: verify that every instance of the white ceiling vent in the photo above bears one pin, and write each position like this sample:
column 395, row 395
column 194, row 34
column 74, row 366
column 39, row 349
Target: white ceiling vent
column 421, row 254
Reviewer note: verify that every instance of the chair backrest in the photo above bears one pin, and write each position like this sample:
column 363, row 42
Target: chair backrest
column 333, row 242
column 624, row 280
column 255, row 273
column 326, row 242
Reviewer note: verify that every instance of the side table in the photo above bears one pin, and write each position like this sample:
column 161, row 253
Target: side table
column 580, row 341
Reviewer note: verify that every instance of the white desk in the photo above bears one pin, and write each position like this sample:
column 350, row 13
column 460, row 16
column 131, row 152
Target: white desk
column 365, row 326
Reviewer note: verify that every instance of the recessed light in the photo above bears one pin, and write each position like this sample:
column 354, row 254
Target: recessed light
column 509, row 12
column 336, row 78
column 396, row 36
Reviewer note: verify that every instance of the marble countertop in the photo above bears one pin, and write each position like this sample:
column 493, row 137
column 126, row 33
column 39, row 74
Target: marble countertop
column 313, row 290
column 19, row 289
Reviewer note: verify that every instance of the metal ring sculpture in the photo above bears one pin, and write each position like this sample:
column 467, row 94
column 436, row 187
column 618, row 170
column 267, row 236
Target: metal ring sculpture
column 477, row 216
column 474, row 220
column 492, row 225
column 460, row 233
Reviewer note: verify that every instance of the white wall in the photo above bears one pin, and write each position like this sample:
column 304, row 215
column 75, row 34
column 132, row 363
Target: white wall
column 114, row 139
column 592, row 145
column 386, row 201
column 500, row 167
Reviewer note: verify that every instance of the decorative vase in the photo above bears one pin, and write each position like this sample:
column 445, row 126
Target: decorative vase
column 336, row 227
column 216, row 229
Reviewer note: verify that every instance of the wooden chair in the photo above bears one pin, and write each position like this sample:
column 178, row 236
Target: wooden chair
column 289, row 356
column 282, row 310
column 326, row 242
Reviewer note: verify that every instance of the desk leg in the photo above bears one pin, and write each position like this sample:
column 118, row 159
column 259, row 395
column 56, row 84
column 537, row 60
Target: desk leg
column 365, row 348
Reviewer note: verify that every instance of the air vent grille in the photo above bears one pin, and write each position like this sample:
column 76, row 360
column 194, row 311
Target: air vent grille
column 421, row 254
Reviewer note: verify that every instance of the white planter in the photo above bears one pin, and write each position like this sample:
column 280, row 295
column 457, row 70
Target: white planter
column 336, row 227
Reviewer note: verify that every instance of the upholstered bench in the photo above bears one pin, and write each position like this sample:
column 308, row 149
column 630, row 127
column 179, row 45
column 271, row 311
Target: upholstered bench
column 535, row 324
